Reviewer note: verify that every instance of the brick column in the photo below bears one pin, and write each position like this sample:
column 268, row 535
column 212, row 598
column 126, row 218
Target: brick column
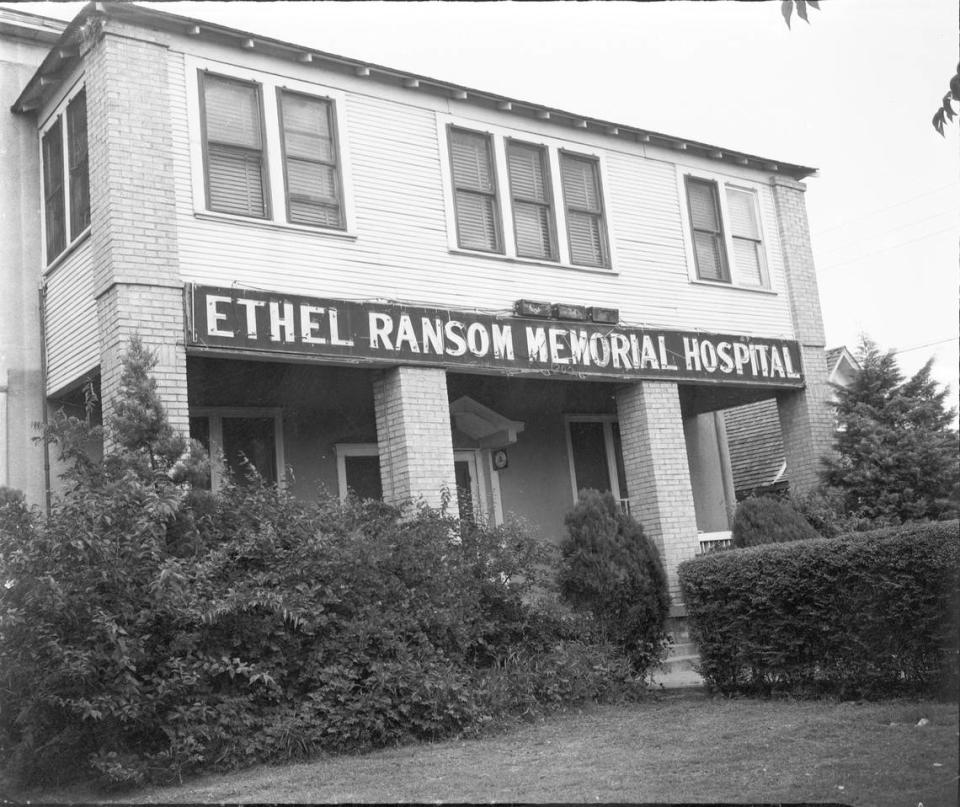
column 414, row 435
column 658, row 474
column 806, row 418
column 136, row 279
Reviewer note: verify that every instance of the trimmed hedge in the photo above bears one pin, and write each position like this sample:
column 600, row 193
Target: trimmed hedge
column 864, row 615
column 768, row 520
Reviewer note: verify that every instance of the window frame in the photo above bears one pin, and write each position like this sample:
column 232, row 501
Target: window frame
column 604, row 238
column 499, row 136
column 58, row 119
column 215, row 416
column 270, row 85
column 549, row 204
column 723, row 184
column 499, row 246
column 335, row 147
column 344, row 450
column 202, row 76
column 613, row 473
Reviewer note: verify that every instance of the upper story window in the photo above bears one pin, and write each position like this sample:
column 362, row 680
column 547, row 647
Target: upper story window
column 233, row 139
column 66, row 180
column 542, row 188
column 475, row 190
column 725, row 233
column 269, row 148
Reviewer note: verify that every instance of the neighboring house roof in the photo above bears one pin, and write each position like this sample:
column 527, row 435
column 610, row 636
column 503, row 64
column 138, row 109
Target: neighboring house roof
column 65, row 56
column 754, row 439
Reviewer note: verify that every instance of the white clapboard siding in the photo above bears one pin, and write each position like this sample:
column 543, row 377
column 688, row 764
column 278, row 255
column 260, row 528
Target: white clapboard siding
column 73, row 346
column 400, row 249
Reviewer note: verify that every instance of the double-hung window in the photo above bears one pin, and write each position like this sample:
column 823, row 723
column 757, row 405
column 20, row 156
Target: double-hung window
column 310, row 160
column 583, row 199
column 595, row 453
column 553, row 197
column 725, row 233
column 66, row 180
column 475, row 190
column 233, row 136
column 532, row 201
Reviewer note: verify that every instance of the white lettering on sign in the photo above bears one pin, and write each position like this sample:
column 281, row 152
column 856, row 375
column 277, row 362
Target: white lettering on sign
column 250, row 311
column 282, row 322
column 309, row 326
column 215, row 317
column 502, row 341
column 453, row 330
column 335, row 330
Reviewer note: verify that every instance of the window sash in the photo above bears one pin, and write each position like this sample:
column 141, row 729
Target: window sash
column 473, row 174
column 532, row 201
column 706, row 230
column 233, row 139
column 314, row 190
column 78, row 164
column 54, row 199
column 583, row 201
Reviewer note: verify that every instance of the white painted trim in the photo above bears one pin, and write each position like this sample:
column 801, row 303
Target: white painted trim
column 215, row 415
column 58, row 116
column 499, row 136
column 478, row 488
column 609, row 450
column 4, row 448
column 269, row 83
column 344, row 450
column 723, row 183
column 495, row 494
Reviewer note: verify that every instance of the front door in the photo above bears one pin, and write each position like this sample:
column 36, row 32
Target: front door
column 469, row 485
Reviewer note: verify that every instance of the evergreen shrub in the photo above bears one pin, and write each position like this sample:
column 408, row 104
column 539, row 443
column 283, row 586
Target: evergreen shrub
column 150, row 629
column 768, row 520
column 611, row 570
column 869, row 614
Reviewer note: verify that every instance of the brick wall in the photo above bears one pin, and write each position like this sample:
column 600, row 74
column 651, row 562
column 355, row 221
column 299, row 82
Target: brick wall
column 133, row 233
column 658, row 474
column 806, row 418
column 414, row 435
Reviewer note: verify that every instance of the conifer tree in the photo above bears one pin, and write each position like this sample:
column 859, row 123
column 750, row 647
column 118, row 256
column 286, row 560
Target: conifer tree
column 897, row 454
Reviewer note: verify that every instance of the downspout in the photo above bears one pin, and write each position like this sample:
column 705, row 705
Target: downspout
column 44, row 420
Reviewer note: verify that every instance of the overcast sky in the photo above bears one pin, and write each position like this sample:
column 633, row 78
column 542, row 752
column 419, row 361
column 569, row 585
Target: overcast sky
column 851, row 93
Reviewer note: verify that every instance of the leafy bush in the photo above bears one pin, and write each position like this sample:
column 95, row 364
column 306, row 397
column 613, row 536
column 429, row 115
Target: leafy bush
column 610, row 569
column 768, row 520
column 861, row 615
column 149, row 629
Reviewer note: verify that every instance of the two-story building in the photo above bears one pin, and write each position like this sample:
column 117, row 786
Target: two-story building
column 360, row 278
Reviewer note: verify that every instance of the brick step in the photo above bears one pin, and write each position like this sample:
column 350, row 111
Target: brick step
column 683, row 649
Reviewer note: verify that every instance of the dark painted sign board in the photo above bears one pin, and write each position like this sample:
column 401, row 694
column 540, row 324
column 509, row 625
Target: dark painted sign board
column 241, row 321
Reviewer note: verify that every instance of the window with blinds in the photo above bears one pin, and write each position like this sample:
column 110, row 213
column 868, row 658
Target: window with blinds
column 233, row 142
column 474, row 190
column 744, row 227
column 706, row 230
column 78, row 164
column 54, row 196
column 310, row 162
column 583, row 201
column 533, row 217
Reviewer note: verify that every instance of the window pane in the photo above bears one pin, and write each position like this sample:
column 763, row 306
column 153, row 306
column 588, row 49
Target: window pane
column 476, row 221
column 471, row 161
column 703, row 205
column 312, row 180
column 307, row 131
column 53, row 190
column 710, row 262
column 79, row 174
column 532, row 222
column 589, row 455
column 232, row 112
column 235, row 180
column 580, row 186
column 621, row 471
column 250, row 439
column 742, row 208
column 586, row 239
column 363, row 476
column 746, row 254
column 528, row 180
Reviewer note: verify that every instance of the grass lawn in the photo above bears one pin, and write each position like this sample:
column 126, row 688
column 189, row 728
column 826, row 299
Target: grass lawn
column 670, row 748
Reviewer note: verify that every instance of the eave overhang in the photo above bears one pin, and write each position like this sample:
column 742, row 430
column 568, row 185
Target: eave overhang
column 62, row 59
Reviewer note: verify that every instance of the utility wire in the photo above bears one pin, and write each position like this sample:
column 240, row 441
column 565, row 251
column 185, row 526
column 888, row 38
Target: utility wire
column 887, row 248
column 884, row 209
column 841, row 245
column 928, row 344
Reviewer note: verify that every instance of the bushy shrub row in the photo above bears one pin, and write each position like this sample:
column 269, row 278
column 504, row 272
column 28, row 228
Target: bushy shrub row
column 149, row 628
column 861, row 615
column 768, row 520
